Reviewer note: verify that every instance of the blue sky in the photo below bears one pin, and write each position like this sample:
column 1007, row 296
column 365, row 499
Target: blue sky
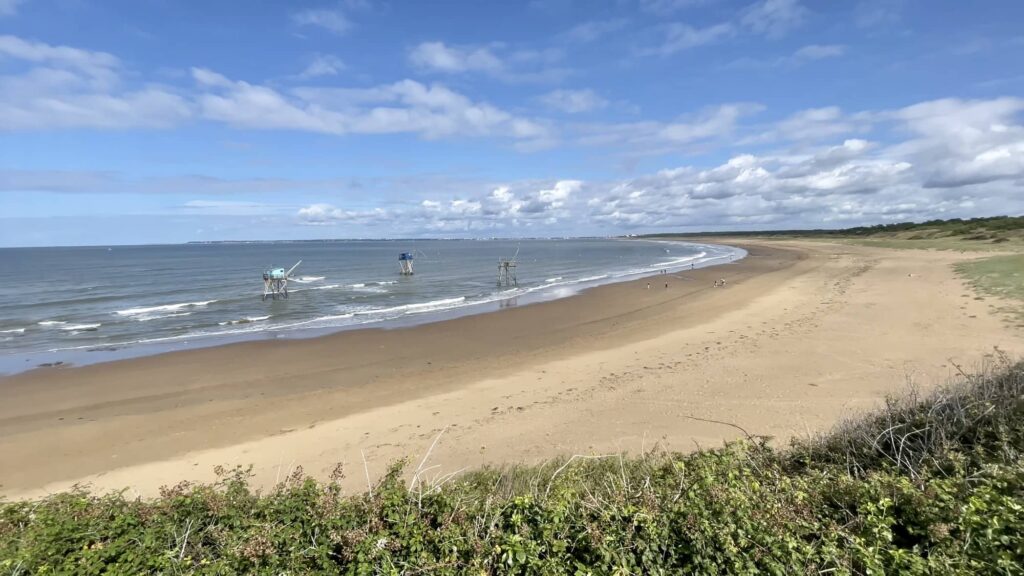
column 161, row 121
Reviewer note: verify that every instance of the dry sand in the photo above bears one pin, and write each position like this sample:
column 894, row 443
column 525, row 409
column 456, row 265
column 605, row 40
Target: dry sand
column 802, row 334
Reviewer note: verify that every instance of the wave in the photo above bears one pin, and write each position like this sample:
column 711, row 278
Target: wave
column 327, row 287
column 369, row 287
column 13, row 331
column 416, row 308
column 51, row 323
column 365, row 284
column 307, row 279
column 81, row 327
column 162, row 316
column 149, row 310
column 315, row 320
column 248, row 320
column 695, row 258
column 555, row 279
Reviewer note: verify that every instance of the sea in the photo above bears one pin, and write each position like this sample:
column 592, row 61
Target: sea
column 82, row 305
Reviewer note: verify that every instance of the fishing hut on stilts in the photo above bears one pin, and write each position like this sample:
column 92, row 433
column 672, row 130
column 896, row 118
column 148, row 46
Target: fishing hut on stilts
column 507, row 271
column 405, row 263
column 275, row 282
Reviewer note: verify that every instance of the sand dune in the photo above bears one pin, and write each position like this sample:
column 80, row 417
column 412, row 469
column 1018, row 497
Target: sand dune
column 802, row 334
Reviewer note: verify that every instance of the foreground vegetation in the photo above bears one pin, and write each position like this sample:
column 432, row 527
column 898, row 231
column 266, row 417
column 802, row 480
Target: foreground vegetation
column 930, row 484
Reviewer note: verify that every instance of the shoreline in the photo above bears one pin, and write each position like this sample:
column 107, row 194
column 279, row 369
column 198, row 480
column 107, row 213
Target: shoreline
column 87, row 355
column 780, row 350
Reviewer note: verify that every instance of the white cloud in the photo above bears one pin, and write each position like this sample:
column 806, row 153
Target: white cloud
column 210, row 78
column 439, row 57
column 773, row 18
column 770, row 18
column 333, row 21
column 67, row 87
column 664, row 7
column 573, row 101
column 323, row 65
column 593, row 30
column 57, row 181
column 878, row 13
column 819, row 51
column 928, row 159
column 432, row 111
column 231, row 208
column 529, row 205
column 938, row 158
column 679, row 37
column 716, row 123
column 9, row 7
column 98, row 66
column 322, row 213
column 804, row 55
column 814, row 125
column 956, row 158
column 495, row 60
column 964, row 142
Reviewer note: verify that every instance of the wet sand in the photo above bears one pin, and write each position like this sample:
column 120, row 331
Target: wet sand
column 802, row 334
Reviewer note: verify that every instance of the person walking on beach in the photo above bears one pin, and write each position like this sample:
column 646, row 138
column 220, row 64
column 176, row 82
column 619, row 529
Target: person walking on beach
column 648, row 285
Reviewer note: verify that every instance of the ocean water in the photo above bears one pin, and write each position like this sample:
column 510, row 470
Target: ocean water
column 90, row 304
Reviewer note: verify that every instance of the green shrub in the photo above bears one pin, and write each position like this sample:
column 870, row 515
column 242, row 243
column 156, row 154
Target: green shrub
column 931, row 485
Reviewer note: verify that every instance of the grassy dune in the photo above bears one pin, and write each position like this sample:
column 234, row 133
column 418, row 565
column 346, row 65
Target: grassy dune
column 929, row 484
column 997, row 233
column 1001, row 277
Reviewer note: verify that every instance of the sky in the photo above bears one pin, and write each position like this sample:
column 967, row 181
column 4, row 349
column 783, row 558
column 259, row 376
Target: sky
column 162, row 121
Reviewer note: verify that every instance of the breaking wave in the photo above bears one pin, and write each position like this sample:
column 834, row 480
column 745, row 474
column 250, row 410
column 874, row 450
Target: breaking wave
column 248, row 320
column 156, row 310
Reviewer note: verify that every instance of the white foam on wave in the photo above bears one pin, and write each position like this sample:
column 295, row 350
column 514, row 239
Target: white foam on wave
column 371, row 288
column 13, row 331
column 416, row 308
column 681, row 261
column 248, row 320
column 307, row 279
column 51, row 323
column 162, row 316
column 555, row 279
column 317, row 320
column 327, row 287
column 150, row 310
column 81, row 327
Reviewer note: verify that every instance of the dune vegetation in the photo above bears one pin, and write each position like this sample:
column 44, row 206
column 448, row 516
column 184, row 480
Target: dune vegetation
column 993, row 233
column 926, row 484
column 1000, row 277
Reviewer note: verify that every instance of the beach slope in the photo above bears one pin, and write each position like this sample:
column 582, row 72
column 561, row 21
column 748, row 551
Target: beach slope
column 801, row 334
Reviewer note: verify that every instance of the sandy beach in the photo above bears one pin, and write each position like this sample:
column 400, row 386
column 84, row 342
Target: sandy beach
column 802, row 334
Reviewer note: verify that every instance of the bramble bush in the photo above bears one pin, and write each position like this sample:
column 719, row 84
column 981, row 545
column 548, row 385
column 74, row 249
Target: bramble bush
column 927, row 485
